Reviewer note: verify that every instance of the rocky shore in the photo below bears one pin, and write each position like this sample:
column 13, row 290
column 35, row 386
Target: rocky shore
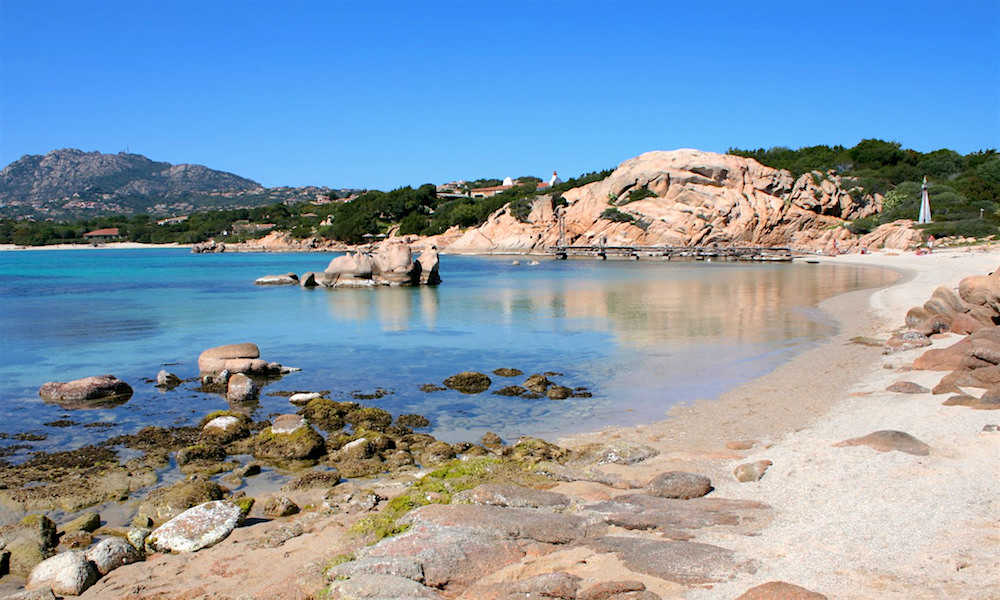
column 840, row 475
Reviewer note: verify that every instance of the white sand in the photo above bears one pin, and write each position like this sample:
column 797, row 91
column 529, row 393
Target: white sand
column 107, row 246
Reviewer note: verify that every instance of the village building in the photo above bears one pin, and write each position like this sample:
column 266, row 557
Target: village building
column 455, row 188
column 97, row 236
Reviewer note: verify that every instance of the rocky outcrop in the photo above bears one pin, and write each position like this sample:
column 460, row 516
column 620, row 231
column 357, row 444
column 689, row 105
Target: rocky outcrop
column 88, row 392
column 390, row 263
column 689, row 198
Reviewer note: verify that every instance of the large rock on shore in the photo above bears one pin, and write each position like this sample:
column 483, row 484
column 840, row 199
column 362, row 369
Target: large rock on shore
column 88, row 392
column 690, row 198
column 196, row 528
column 68, row 574
column 288, row 438
column 237, row 358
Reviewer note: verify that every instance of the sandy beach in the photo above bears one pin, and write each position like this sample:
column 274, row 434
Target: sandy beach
column 108, row 246
column 845, row 522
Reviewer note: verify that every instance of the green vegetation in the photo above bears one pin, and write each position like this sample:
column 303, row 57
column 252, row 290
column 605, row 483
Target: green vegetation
column 964, row 191
column 417, row 211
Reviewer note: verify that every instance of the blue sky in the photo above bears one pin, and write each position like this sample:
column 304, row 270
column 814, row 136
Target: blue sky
column 380, row 94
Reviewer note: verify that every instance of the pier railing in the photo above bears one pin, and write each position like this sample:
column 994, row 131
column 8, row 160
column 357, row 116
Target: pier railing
column 727, row 253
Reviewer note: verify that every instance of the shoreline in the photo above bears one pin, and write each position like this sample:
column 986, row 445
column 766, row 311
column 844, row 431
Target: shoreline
column 790, row 416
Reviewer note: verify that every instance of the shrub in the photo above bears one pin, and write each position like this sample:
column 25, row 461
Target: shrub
column 616, row 216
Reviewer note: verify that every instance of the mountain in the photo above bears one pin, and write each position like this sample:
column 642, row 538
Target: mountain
column 72, row 183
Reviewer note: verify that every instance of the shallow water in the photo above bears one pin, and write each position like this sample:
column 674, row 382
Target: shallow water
column 642, row 336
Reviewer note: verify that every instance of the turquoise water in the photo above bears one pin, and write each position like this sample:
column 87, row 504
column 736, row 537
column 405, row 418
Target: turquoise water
column 641, row 336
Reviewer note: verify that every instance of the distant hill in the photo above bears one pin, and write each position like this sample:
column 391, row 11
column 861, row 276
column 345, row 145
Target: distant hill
column 72, row 183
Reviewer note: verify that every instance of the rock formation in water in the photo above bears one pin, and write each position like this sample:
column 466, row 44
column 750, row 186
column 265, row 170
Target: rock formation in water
column 391, row 263
column 691, row 198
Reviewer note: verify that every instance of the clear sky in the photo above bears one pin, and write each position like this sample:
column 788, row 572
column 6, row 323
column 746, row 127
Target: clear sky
column 381, row 94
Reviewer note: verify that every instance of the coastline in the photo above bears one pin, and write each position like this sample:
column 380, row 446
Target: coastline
column 832, row 528
column 109, row 246
column 836, row 530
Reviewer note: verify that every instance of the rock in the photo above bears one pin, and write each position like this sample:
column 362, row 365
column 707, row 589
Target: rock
column 165, row 503
column 88, row 392
column 303, row 398
column 558, row 392
column 740, row 444
column 68, row 573
column 214, row 360
column 537, row 383
column 356, row 266
column 491, row 440
column 779, row 590
column 491, row 494
column 686, row 563
column 437, row 453
column 554, row 586
column 671, row 517
column 449, row 556
column 350, row 498
column 279, row 506
column 241, row 388
column 397, row 566
column 225, row 428
column 313, row 479
column 308, row 280
column 889, row 440
column 24, row 554
column 507, row 372
column 196, row 528
column 469, row 382
column 37, row 528
column 624, row 453
column 429, row 264
column 965, row 323
column 988, row 401
column 166, row 379
column 943, row 359
column 678, row 484
column 506, row 523
column 414, row 421
column 511, row 390
column 607, row 590
column 908, row 340
column 752, row 471
column 42, row 594
column 136, row 537
column 369, row 417
column 380, row 587
column 915, row 316
column 288, row 438
column 394, row 265
column 200, row 454
column 286, row 279
column 111, row 553
column 907, row 387
column 986, row 349
column 76, row 540
column 88, row 521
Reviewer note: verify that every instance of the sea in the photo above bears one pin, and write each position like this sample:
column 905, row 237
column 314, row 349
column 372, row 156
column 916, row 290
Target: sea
column 638, row 337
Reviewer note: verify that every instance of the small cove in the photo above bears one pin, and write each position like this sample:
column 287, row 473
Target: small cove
column 640, row 336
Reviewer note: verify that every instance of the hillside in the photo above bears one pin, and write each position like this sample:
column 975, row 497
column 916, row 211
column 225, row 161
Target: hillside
column 71, row 183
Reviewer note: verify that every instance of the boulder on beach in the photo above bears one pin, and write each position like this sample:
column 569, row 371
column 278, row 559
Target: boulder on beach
column 165, row 503
column 889, row 440
column 88, row 392
column 779, row 590
column 678, row 484
column 111, row 553
column 196, row 528
column 66, row 574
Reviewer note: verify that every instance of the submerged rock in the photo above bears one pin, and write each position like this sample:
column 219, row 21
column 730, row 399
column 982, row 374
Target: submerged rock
column 469, row 382
column 88, row 392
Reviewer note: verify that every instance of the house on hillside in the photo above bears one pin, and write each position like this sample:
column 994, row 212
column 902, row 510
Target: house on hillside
column 488, row 192
column 99, row 236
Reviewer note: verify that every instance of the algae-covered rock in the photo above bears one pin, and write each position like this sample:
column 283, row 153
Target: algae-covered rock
column 224, row 427
column 372, row 418
column 288, row 438
column 558, row 392
column 88, row 522
column 326, row 414
column 469, row 382
column 412, row 421
column 507, row 372
column 537, row 383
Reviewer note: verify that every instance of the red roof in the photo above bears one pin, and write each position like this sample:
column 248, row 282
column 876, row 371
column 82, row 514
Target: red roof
column 106, row 232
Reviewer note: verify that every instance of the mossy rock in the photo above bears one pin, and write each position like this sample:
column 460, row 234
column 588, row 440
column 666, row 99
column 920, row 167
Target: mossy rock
column 428, row 388
column 89, row 522
column 223, row 427
column 469, row 382
column 505, row 372
column 436, row 453
column 326, row 414
column 491, row 440
column 535, row 450
column 200, row 452
column 511, row 390
column 36, row 528
column 537, row 383
column 25, row 554
column 372, row 418
column 301, row 444
column 558, row 392
column 163, row 504
column 363, row 467
column 412, row 421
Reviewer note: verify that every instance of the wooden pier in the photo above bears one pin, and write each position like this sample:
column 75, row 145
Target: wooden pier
column 706, row 253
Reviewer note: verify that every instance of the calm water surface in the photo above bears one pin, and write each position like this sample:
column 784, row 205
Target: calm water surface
column 642, row 336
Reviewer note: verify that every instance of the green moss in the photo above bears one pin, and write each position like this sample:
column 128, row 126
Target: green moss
column 245, row 503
